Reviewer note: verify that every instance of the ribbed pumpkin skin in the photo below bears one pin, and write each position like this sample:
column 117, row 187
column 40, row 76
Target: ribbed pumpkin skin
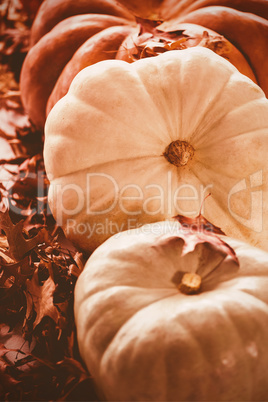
column 107, row 138
column 46, row 60
column 243, row 26
column 52, row 12
column 143, row 340
column 171, row 9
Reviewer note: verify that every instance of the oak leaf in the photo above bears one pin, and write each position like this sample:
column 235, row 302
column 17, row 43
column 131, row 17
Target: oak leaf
column 19, row 246
column 40, row 299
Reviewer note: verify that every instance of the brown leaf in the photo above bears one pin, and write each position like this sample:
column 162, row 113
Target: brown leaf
column 214, row 242
column 12, row 118
column 199, row 230
column 19, row 246
column 79, row 260
column 152, row 41
column 198, row 224
column 75, row 374
column 40, row 299
column 147, row 25
column 14, row 37
column 27, row 288
column 15, row 272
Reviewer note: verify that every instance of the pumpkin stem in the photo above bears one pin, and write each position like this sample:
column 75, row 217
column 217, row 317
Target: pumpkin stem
column 190, row 283
column 179, row 153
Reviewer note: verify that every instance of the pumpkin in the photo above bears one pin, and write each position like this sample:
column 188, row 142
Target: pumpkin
column 67, row 36
column 147, row 333
column 138, row 143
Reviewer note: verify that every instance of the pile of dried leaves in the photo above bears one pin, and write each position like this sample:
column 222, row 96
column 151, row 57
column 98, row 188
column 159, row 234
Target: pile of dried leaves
column 152, row 41
column 39, row 359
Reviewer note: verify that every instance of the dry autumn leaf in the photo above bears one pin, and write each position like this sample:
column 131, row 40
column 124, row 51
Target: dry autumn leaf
column 152, row 41
column 198, row 224
column 199, row 230
column 40, row 299
column 18, row 245
column 38, row 268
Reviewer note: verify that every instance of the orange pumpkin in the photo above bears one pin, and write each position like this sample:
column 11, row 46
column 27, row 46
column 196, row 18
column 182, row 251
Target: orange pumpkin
column 68, row 36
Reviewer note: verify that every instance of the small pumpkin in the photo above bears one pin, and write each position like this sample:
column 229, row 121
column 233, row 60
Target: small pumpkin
column 144, row 338
column 67, row 36
column 138, row 143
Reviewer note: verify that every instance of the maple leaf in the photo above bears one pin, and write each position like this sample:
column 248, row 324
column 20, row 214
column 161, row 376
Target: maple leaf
column 198, row 224
column 200, row 230
column 206, row 260
column 205, row 251
column 19, row 246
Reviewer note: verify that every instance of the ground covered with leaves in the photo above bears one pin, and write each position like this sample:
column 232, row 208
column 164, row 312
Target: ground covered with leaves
column 39, row 358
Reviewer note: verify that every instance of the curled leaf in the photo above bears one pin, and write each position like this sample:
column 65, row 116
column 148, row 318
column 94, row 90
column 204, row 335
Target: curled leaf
column 198, row 224
column 199, row 230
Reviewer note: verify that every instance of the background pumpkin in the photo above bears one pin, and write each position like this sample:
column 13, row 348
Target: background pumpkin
column 138, row 143
column 62, row 27
column 143, row 339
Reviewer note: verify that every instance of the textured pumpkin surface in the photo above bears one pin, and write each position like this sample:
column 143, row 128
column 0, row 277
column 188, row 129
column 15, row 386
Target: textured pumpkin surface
column 54, row 50
column 52, row 12
column 169, row 9
column 237, row 30
column 144, row 340
column 137, row 143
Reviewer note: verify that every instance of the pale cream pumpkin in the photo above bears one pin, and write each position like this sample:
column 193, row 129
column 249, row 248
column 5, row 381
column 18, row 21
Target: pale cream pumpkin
column 143, row 339
column 138, row 143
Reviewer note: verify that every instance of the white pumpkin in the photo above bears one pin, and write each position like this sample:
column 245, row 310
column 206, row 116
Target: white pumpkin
column 144, row 340
column 137, row 143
